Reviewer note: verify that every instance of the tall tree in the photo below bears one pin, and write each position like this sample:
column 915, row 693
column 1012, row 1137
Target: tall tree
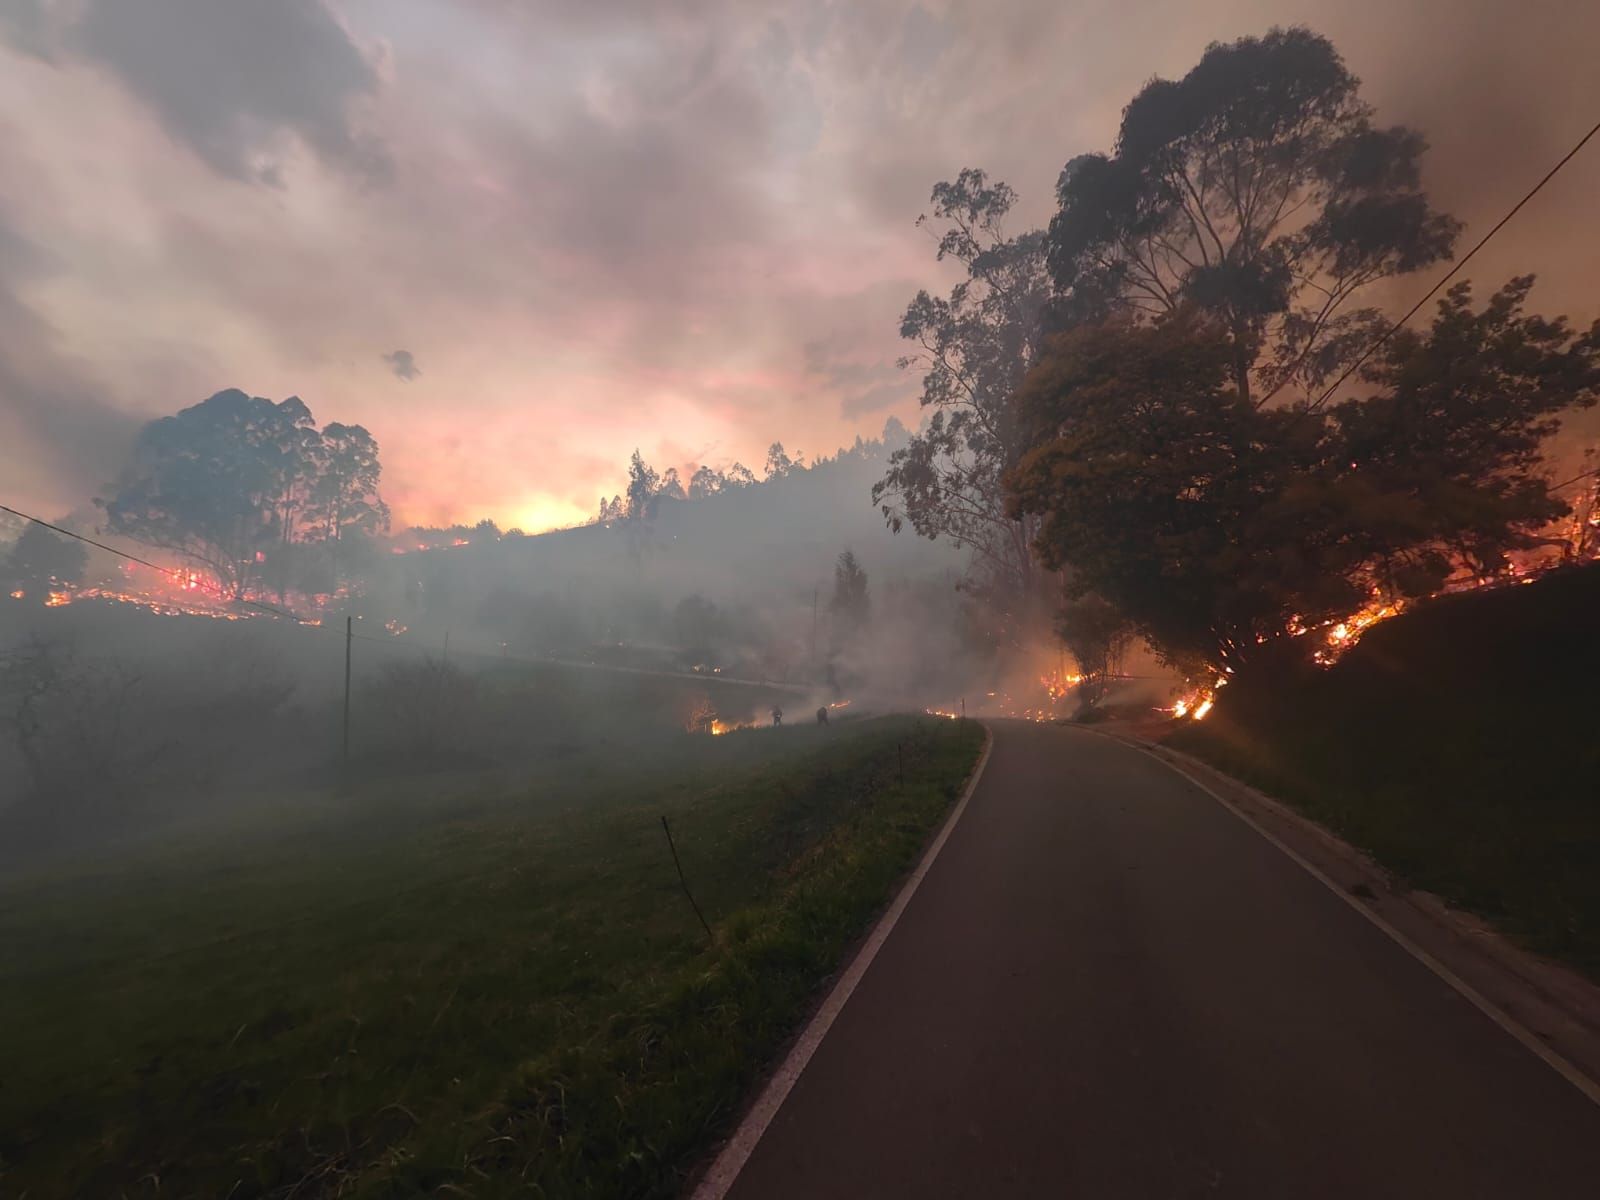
column 1259, row 189
column 671, row 487
column 1216, row 525
column 235, row 479
column 850, row 605
column 974, row 348
column 292, row 448
column 207, row 484
column 1098, row 636
column 779, row 463
column 705, row 482
column 345, row 473
column 1453, row 437
column 643, row 485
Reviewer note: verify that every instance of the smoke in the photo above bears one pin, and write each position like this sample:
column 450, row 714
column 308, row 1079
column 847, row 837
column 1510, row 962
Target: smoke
column 403, row 364
column 50, row 402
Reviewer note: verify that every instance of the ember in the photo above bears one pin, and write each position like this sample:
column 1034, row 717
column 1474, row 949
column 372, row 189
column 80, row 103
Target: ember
column 1341, row 635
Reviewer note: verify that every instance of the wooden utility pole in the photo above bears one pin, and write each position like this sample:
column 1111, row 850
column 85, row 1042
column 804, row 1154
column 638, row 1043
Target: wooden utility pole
column 349, row 637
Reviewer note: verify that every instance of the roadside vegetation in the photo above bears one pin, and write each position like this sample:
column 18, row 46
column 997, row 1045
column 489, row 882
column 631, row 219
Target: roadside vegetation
column 1456, row 743
column 483, row 994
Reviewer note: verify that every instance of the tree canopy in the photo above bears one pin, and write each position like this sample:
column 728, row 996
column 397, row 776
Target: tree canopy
column 1259, row 189
column 230, row 480
column 850, row 605
column 1215, row 525
column 974, row 348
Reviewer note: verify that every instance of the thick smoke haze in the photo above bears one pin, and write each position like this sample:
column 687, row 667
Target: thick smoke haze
column 688, row 228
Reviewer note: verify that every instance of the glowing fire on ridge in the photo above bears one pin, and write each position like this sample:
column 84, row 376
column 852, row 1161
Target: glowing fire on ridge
column 180, row 592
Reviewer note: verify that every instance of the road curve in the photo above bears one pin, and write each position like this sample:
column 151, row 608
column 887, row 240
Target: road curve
column 1107, row 985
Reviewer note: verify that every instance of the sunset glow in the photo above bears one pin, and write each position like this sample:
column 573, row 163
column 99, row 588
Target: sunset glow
column 516, row 246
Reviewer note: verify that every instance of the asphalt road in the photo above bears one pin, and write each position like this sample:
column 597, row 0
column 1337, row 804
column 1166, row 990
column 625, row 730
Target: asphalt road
column 1109, row 986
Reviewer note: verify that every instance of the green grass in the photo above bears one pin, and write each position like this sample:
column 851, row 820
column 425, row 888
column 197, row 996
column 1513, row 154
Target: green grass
column 1457, row 745
column 503, row 994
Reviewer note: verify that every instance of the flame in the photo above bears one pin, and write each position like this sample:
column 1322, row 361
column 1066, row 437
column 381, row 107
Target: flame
column 1198, row 701
column 183, row 592
column 1058, row 685
column 393, row 627
column 19, row 594
column 1341, row 635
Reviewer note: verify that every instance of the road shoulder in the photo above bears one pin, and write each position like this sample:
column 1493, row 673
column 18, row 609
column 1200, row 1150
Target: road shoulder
column 722, row 1169
column 1554, row 1006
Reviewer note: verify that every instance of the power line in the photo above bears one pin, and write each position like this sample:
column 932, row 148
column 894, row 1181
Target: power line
column 173, row 572
column 101, row 545
column 1463, row 261
column 1562, row 486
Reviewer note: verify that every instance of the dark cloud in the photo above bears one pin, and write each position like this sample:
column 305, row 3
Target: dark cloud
column 31, row 26
column 64, row 438
column 862, row 387
column 403, row 364
column 629, row 216
column 232, row 79
column 924, row 39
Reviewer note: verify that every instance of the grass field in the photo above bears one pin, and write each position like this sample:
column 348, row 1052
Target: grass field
column 497, row 993
column 1456, row 743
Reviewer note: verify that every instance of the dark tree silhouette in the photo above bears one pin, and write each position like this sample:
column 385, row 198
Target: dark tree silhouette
column 344, row 496
column 229, row 480
column 1098, row 635
column 706, row 482
column 851, row 607
column 1259, row 189
column 974, row 347
column 643, row 487
column 671, row 487
column 209, row 483
column 41, row 560
column 779, row 463
column 1214, row 525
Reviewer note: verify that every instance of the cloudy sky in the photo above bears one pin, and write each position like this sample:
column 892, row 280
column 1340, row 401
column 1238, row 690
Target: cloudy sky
column 517, row 239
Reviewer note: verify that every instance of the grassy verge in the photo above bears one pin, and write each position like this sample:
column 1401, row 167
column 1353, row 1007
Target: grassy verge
column 1456, row 744
column 511, row 999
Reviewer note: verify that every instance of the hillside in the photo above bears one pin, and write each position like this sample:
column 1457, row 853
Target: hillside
column 452, row 988
column 1457, row 744
column 742, row 579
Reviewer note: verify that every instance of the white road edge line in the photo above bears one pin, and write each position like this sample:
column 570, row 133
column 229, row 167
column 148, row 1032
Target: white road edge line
column 1483, row 1004
column 730, row 1161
